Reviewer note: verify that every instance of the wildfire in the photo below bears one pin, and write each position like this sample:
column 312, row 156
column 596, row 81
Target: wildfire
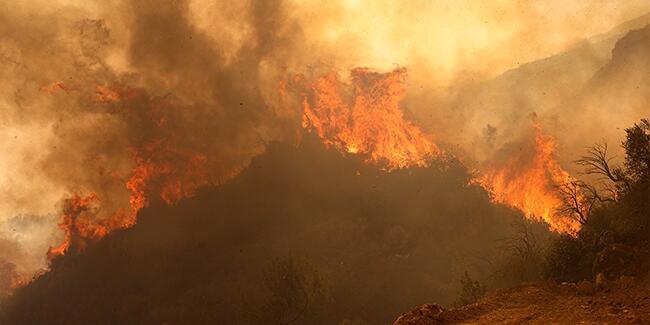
column 79, row 223
column 162, row 170
column 174, row 172
column 54, row 87
column 105, row 94
column 369, row 121
column 9, row 278
column 530, row 182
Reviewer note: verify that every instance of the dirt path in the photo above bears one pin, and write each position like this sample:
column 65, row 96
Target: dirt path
column 626, row 301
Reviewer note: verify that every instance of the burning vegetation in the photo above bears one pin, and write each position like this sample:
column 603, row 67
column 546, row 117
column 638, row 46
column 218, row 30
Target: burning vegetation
column 162, row 171
column 151, row 158
column 532, row 181
column 367, row 121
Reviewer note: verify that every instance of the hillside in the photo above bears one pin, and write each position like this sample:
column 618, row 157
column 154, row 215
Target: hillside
column 625, row 301
column 375, row 242
column 619, row 87
column 605, row 78
column 337, row 207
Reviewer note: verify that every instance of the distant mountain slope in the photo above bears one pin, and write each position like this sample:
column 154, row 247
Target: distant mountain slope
column 595, row 78
column 628, row 72
column 614, row 93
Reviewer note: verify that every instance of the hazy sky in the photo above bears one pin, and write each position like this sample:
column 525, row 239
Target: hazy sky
column 487, row 35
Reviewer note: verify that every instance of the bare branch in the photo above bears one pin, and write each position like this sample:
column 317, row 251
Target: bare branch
column 580, row 199
column 574, row 206
column 596, row 162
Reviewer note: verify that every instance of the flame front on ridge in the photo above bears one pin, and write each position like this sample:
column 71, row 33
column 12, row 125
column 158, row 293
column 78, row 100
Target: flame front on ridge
column 369, row 121
column 530, row 181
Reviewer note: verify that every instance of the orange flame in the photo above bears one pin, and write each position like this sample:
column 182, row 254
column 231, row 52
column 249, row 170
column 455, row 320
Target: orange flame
column 530, row 183
column 177, row 173
column 370, row 122
column 105, row 94
column 80, row 224
column 162, row 170
column 9, row 278
column 54, row 86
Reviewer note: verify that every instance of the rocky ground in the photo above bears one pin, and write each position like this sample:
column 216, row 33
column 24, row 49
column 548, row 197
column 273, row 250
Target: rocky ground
column 625, row 300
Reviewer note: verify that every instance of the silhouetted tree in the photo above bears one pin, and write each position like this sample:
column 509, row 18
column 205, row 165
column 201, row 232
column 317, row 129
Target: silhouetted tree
column 471, row 290
column 597, row 162
column 568, row 259
column 522, row 256
column 580, row 199
column 637, row 150
column 295, row 290
column 610, row 222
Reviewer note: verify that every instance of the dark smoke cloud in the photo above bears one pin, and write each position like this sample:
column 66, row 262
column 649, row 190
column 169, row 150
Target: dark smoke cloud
column 71, row 134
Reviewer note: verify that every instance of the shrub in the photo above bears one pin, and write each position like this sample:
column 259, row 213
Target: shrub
column 471, row 291
column 295, row 292
column 568, row 259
